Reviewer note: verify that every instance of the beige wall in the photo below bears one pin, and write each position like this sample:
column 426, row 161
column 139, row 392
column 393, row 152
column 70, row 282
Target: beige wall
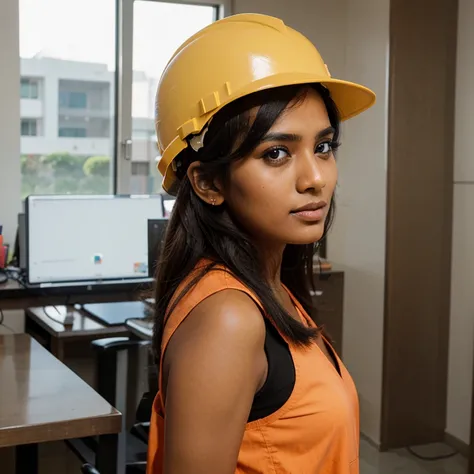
column 358, row 238
column 462, row 290
column 352, row 36
column 9, row 119
column 10, row 203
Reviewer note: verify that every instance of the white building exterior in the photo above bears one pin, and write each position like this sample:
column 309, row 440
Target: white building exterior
column 69, row 106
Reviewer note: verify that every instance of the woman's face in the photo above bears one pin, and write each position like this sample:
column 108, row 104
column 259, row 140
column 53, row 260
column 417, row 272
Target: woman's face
column 281, row 193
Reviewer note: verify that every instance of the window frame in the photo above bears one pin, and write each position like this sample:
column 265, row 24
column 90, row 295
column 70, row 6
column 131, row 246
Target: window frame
column 124, row 81
column 30, row 122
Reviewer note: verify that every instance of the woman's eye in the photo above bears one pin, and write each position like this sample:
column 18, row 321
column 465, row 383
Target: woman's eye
column 324, row 148
column 276, row 154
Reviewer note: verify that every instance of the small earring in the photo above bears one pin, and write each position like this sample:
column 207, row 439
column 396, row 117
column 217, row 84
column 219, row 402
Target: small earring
column 213, row 201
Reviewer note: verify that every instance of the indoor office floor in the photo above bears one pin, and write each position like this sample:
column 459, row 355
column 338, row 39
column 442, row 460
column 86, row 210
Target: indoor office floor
column 57, row 459
column 402, row 462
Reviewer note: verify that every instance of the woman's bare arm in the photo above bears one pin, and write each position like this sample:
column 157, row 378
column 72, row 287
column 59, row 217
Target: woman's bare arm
column 214, row 364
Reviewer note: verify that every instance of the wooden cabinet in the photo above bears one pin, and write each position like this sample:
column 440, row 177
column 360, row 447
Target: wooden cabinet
column 328, row 303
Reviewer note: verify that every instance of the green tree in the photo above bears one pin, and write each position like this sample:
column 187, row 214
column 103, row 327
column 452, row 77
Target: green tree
column 64, row 164
column 95, row 185
column 36, row 177
column 67, row 185
column 97, row 166
column 30, row 165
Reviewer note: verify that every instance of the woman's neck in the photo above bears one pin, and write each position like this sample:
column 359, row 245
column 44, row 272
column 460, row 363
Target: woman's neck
column 271, row 259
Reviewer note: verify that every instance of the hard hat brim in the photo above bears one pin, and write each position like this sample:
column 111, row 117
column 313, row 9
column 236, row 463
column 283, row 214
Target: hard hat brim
column 350, row 98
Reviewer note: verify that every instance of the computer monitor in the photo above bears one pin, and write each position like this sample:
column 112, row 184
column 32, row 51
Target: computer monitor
column 88, row 238
column 156, row 234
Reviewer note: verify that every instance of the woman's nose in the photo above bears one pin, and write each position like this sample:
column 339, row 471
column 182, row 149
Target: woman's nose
column 310, row 175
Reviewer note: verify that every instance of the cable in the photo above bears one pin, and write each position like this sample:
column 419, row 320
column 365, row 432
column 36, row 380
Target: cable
column 17, row 275
column 59, row 321
column 428, row 458
column 12, row 273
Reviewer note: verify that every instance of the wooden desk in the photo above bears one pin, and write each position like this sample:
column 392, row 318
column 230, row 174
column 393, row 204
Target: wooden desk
column 41, row 400
column 54, row 335
column 140, row 328
column 15, row 296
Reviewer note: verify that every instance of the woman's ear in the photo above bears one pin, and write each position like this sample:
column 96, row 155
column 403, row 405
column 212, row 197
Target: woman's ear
column 203, row 186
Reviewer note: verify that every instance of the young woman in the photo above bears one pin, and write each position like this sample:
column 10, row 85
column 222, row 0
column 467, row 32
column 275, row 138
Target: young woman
column 248, row 123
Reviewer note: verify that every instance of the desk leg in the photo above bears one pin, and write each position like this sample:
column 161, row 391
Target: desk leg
column 109, row 458
column 26, row 459
column 57, row 348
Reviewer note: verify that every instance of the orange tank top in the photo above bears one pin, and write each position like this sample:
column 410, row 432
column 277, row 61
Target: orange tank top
column 315, row 432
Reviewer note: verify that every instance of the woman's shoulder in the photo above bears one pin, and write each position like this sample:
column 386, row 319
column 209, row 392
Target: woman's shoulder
column 211, row 291
column 229, row 313
column 206, row 279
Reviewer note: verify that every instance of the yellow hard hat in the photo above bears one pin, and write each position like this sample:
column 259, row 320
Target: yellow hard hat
column 232, row 58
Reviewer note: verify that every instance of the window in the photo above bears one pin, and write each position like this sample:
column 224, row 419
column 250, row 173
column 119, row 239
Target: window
column 84, row 117
column 29, row 127
column 73, row 100
column 73, row 68
column 29, row 88
column 77, row 100
column 186, row 19
column 72, row 132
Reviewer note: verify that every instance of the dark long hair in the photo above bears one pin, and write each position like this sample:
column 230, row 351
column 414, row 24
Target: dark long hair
column 199, row 231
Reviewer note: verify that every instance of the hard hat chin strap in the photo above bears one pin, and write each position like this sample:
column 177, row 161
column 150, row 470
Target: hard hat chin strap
column 197, row 141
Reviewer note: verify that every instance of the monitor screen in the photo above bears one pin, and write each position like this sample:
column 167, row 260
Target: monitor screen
column 88, row 238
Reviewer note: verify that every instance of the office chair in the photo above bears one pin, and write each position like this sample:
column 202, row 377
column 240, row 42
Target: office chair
column 114, row 357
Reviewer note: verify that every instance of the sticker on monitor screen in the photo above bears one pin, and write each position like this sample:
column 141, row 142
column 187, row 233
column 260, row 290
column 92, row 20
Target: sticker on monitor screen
column 140, row 267
column 97, row 258
column 168, row 207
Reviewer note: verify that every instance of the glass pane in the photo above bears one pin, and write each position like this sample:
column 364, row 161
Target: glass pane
column 152, row 48
column 67, row 96
column 77, row 100
column 24, row 128
column 33, row 90
column 25, row 89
